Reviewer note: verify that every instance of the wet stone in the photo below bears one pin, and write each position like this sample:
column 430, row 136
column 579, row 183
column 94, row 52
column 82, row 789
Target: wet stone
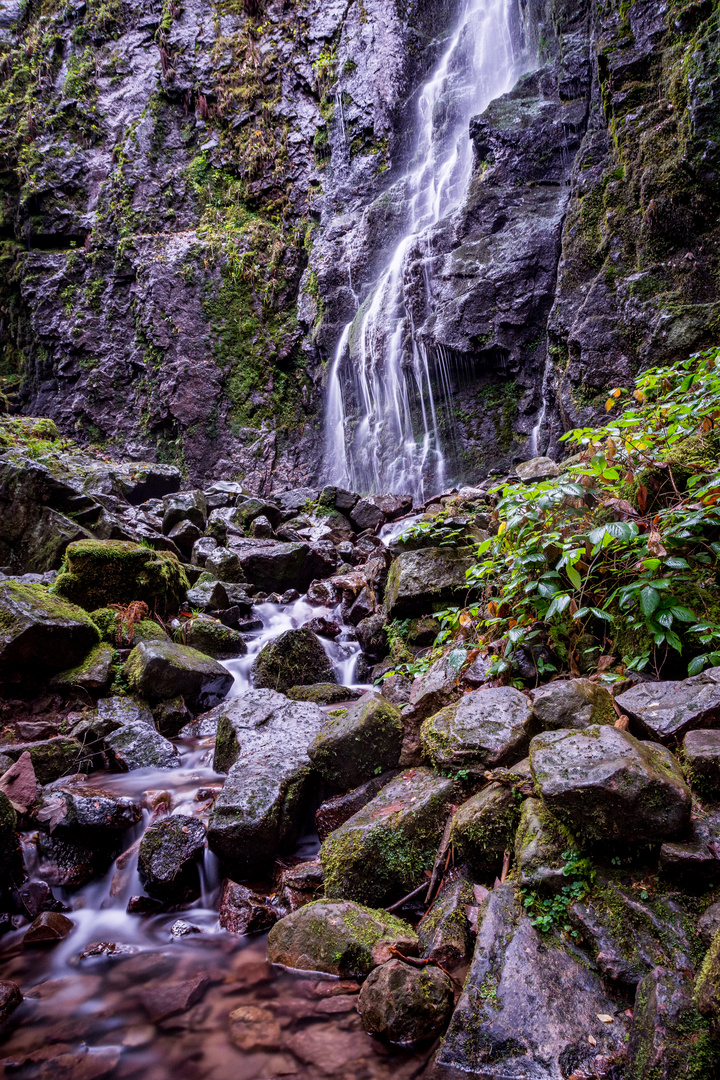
column 169, row 999
column 572, row 703
column 668, row 1036
column 159, row 671
column 483, row 829
column 666, row 710
column 48, row 928
column 709, row 922
column 324, row 694
column 444, row 933
column 540, row 841
column 418, row 580
column 10, row 998
column 404, row 1004
column 295, row 658
column 702, row 753
column 336, row 811
column 359, row 742
column 300, row 884
column 168, row 856
column 484, row 729
column 243, row 911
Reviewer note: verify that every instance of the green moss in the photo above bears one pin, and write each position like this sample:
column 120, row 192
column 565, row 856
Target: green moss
column 100, row 572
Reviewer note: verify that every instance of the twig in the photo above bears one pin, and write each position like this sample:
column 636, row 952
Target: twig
column 421, row 962
column 444, row 845
column 505, row 868
column 407, row 899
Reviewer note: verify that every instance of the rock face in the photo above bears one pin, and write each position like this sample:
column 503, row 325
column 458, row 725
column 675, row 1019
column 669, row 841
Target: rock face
column 444, row 933
column 358, row 743
column 397, row 834
column 405, row 1005
column 41, row 631
column 97, row 573
column 484, row 729
column 539, row 845
column 420, row 579
column 526, row 1009
column 161, row 670
column 296, row 658
column 607, row 785
column 337, row 938
column 665, row 711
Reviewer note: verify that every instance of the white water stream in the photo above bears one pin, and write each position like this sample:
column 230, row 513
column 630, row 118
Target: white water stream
column 391, row 440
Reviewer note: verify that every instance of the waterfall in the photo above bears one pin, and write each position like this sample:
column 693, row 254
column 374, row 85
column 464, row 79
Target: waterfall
column 389, row 439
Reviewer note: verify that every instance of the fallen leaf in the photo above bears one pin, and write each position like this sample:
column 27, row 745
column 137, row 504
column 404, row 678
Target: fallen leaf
column 604, row 1018
column 622, row 723
column 392, row 809
column 605, row 663
column 656, row 548
column 481, row 893
column 592, row 1040
column 53, row 812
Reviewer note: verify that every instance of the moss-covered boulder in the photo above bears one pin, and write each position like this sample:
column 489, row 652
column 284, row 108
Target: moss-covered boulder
column 483, row 829
column 359, row 742
column 606, row 785
column 115, row 631
column 382, row 852
column 94, row 674
column 168, row 856
column 573, row 703
column 670, row 1037
column 420, row 580
column 52, row 758
column 337, row 938
column 445, row 934
column 483, row 729
column 296, row 658
column 225, row 565
column 162, row 670
column 211, row 637
column 404, row 1004
column 540, row 841
column 41, row 632
column 101, row 572
column 323, row 693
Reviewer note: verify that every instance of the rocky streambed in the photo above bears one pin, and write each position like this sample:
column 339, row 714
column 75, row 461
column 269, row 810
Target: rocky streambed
column 237, row 838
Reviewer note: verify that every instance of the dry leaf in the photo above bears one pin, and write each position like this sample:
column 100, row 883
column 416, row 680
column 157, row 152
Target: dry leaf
column 656, row 548
column 386, row 810
column 622, row 723
column 604, row 1018
column 472, row 917
column 481, row 893
column 605, row 663
column 53, row 812
column 592, row 1040
column 642, row 496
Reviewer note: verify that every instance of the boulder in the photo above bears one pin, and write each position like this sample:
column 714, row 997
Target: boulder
column 372, row 634
column 540, row 841
column 298, row 885
column 19, row 783
column 702, row 754
column 101, row 572
column 438, row 687
column 444, row 933
column 572, row 703
column 666, row 710
column 296, row 658
column 168, row 856
column 48, row 928
column 527, row 1010
column 274, row 566
column 707, row 989
column 51, row 758
column 189, row 506
column 212, row 638
column 78, row 807
column 249, row 510
column 404, row 1004
column 420, row 580
column 324, row 693
column 140, row 746
column 162, row 670
column 338, row 498
column 537, row 469
column 202, row 549
column 10, row 998
column 41, row 632
column 225, row 565
column 397, row 834
column 485, row 728
column 184, row 536
column 336, row 811
column 608, row 786
column 709, row 922
column 669, row 1037
column 367, row 515
column 693, row 860
column 262, row 739
column 358, row 742
column 70, row 863
column 207, row 594
column 341, row 939
column 243, row 911
column 171, row 716
column 94, row 674
column 120, row 633
column 483, row 829
column 224, row 493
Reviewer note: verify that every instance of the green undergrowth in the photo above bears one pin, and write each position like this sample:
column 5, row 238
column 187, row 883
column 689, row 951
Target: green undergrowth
column 618, row 556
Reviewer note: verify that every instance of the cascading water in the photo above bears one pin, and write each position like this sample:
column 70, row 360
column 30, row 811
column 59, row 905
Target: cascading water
column 391, row 439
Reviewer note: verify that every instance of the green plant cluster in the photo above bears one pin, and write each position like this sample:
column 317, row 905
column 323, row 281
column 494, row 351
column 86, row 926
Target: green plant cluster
column 623, row 548
column 551, row 912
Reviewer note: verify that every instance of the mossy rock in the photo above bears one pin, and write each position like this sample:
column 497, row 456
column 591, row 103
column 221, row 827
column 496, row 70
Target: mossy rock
column 337, row 938
column 540, row 841
column 359, row 742
column 484, row 828
column 51, row 758
column 94, row 674
column 114, row 632
column 162, row 670
column 211, row 637
column 323, row 694
column 168, row 856
column 296, row 658
column 42, row 631
column 97, row 573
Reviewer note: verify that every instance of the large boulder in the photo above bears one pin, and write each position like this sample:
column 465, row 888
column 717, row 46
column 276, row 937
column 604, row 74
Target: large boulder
column 101, row 572
column 483, row 829
column 420, row 580
column 702, row 754
column 669, row 1037
column 188, row 506
column 404, row 1004
column 296, row 658
column 485, row 728
column 273, row 566
column 78, row 807
column 527, row 1010
column 41, row 632
column 161, row 670
column 666, row 710
column 212, row 638
column 573, row 703
column 168, row 856
column 341, row 939
column 358, row 743
column 397, row 834
column 225, row 565
column 262, row 739
column 606, row 785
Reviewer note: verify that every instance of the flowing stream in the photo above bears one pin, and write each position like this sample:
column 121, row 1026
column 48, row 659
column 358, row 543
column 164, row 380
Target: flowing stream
column 385, row 393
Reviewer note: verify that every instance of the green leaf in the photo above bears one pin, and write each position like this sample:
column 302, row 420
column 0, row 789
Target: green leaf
column 574, row 576
column 683, row 614
column 559, row 604
column 649, row 600
column 606, row 616
column 674, row 563
column 697, row 664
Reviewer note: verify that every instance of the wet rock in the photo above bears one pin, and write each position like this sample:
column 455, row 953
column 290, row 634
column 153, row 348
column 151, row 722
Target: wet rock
column 477, row 673
column 539, row 845
column 40, row 632
column 525, row 1007
column 366, row 514
column 162, row 670
column 212, row 638
column 572, row 703
column 438, row 687
column 702, row 754
column 171, row 716
column 225, row 565
column 261, row 528
column 83, row 807
column 540, row 468
column 337, row 811
column 484, row 729
column 48, row 928
column 139, row 746
column 102, row 572
column 397, row 833
column 184, row 536
column 224, row 493
column 51, row 758
column 324, row 693
column 107, row 950
column 243, row 911
column 627, row 936
column 274, row 566
column 94, row 674
column 396, row 689
column 668, row 1035
column 359, row 742
column 418, row 580
column 180, row 929
column 444, row 933
column 209, row 595
column 143, row 905
column 695, row 858
column 262, row 739
column 372, row 634
column 666, row 710
column 296, row 658
column 168, row 856
column 606, row 785
column 404, row 1004
column 19, row 783
column 299, row 884
column 483, row 829
column 709, row 923
column 70, row 862
column 189, row 506
column 36, row 896
column 202, row 549
column 336, row 938
column 10, row 998
column 169, row 999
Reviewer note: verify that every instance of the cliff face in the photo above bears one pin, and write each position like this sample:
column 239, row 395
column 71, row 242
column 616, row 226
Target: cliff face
column 194, row 199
